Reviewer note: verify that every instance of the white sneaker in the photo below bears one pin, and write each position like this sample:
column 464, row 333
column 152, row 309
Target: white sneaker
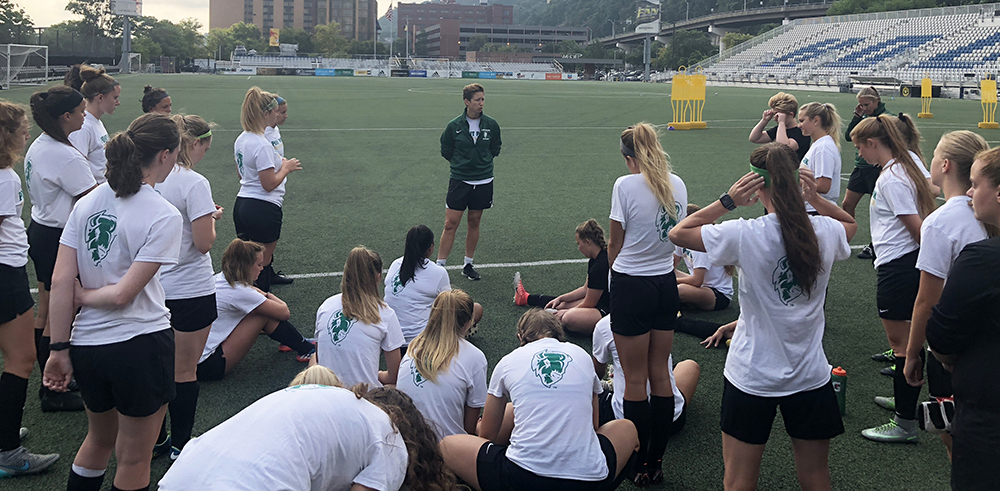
column 20, row 462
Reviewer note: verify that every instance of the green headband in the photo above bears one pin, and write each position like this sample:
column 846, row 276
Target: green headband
column 271, row 105
column 206, row 135
column 767, row 175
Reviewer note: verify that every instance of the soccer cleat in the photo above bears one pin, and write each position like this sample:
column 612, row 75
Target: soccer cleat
column 162, row 448
column 20, row 462
column 520, row 296
column 888, row 371
column 471, row 272
column 277, row 278
column 886, row 356
column 867, row 253
column 305, row 357
column 285, row 349
column 891, row 433
column 61, row 401
column 174, row 453
column 887, row 403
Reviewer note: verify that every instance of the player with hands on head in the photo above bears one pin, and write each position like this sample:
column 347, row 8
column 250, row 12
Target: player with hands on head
column 776, row 358
column 783, row 109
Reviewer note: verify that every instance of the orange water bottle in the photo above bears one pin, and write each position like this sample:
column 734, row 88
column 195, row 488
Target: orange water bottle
column 839, row 379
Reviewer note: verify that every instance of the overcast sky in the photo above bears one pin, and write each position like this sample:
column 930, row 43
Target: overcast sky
column 47, row 12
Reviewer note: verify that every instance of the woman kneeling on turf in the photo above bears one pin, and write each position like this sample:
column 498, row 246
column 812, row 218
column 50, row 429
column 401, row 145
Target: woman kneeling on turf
column 354, row 325
column 244, row 311
column 316, row 436
column 553, row 389
column 705, row 286
column 580, row 309
column 785, row 259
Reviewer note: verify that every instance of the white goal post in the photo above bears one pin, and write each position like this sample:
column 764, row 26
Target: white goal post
column 131, row 63
column 23, row 64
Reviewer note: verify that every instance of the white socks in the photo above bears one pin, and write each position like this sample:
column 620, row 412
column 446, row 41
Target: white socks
column 468, row 260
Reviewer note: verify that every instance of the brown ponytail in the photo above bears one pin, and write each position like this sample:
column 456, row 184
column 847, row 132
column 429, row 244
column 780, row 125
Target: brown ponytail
column 237, row 261
column 131, row 151
column 592, row 231
column 48, row 106
column 12, row 116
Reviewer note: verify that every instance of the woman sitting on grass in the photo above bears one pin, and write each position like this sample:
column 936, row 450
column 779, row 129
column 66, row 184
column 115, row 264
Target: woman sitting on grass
column 443, row 373
column 705, row 286
column 580, row 309
column 244, row 311
column 353, row 326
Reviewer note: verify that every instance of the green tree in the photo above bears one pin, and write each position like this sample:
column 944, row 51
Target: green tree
column 567, row 47
column 14, row 23
column 301, row 37
column 97, row 16
column 220, row 43
column 149, row 49
column 734, row 38
column 476, row 43
column 328, row 39
column 686, row 48
column 420, row 44
column 248, row 35
column 356, row 47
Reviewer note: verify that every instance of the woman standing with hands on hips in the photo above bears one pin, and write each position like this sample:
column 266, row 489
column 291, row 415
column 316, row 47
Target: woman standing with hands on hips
column 257, row 212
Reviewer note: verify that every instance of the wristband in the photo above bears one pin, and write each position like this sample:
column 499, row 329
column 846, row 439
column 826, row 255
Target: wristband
column 59, row 346
column 727, row 201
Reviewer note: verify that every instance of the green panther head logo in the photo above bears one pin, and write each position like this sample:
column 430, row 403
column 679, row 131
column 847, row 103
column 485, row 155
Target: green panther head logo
column 239, row 163
column 339, row 327
column 418, row 379
column 550, row 366
column 104, row 139
column 784, row 282
column 397, row 286
column 101, row 227
column 665, row 222
column 27, row 174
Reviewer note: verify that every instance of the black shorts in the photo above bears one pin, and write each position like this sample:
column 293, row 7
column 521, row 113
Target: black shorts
column 257, row 220
column 606, row 412
column 15, row 294
column 863, row 179
column 462, row 196
column 975, row 431
column 214, row 367
column 192, row 314
column 43, row 246
column 809, row 415
column 135, row 376
column 496, row 472
column 640, row 304
column 938, row 379
column 721, row 300
column 898, row 282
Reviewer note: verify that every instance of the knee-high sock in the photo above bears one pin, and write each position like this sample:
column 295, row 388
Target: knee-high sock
column 695, row 327
column 264, row 279
column 638, row 412
column 661, row 411
column 13, row 391
column 39, row 351
column 288, row 335
column 77, row 482
column 906, row 394
column 539, row 300
column 182, row 410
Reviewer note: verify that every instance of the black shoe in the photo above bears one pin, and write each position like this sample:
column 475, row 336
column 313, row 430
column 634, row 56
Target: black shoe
column 73, row 386
column 888, row 371
column 867, row 253
column 279, row 279
column 61, row 401
column 886, row 356
column 470, row 272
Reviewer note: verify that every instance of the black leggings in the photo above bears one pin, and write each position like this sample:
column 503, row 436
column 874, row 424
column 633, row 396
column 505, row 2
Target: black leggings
column 540, row 300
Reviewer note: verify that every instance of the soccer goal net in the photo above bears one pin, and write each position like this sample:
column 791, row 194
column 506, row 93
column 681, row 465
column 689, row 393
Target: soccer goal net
column 23, row 65
column 131, row 63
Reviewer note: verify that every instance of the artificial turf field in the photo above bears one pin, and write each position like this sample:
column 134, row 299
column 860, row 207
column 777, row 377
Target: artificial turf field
column 372, row 169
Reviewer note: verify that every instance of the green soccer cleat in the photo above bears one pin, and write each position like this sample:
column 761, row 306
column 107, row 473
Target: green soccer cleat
column 887, row 403
column 891, row 432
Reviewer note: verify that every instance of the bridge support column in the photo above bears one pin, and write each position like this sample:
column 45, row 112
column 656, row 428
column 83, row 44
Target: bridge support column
column 716, row 33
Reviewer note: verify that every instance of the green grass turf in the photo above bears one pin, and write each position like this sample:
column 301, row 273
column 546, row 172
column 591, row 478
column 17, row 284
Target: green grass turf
column 369, row 149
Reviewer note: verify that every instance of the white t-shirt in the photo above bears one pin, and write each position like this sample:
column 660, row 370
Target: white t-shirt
column 715, row 276
column 646, row 249
column 920, row 164
column 90, row 140
column 823, row 158
column 233, row 303
column 894, row 195
column 191, row 194
column 109, row 234
column 254, row 153
column 273, row 135
column 13, row 238
column 605, row 351
column 443, row 402
column 351, row 348
column 55, row 174
column 303, row 438
column 552, row 386
column 412, row 302
column 945, row 233
column 778, row 346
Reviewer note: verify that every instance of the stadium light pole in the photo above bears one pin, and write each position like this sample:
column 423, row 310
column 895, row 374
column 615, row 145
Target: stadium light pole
column 687, row 10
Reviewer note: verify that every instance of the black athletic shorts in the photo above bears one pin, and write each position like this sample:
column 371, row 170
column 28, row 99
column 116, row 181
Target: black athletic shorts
column 863, row 179
column 15, row 294
column 135, row 376
column 640, row 304
column 898, row 282
column 606, row 412
column 721, row 300
column 192, row 314
column 809, row 415
column 257, row 220
column 975, row 431
column 497, row 473
column 214, row 367
column 462, row 196
column 43, row 246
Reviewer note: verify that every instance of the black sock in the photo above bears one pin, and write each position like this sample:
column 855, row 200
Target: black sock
column 182, row 410
column 638, row 412
column 288, row 335
column 77, row 482
column 695, row 327
column 13, row 390
column 264, row 279
column 116, row 488
column 906, row 394
column 661, row 412
column 539, row 300
column 163, row 431
column 38, row 349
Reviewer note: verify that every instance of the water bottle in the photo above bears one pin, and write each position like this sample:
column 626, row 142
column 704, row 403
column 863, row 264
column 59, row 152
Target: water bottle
column 839, row 379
